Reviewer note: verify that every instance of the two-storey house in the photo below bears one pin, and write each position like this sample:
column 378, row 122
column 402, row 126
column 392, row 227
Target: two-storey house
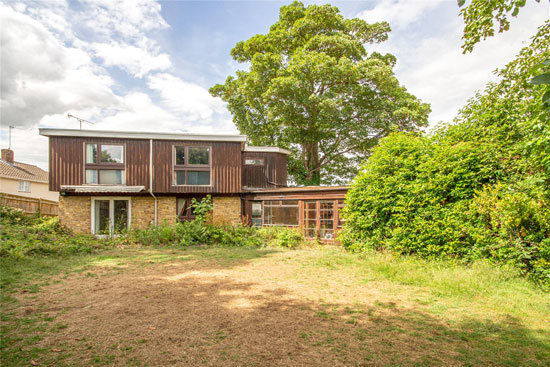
column 111, row 181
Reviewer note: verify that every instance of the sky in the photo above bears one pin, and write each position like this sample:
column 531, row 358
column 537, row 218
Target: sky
column 147, row 65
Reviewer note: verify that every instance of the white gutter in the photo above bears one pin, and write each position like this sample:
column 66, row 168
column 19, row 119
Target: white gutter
column 140, row 135
column 258, row 149
column 151, row 178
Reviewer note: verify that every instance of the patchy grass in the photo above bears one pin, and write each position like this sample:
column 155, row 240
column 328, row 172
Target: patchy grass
column 240, row 306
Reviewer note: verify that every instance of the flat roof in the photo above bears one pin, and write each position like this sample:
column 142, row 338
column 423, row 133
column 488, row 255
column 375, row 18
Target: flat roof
column 140, row 135
column 297, row 189
column 257, row 149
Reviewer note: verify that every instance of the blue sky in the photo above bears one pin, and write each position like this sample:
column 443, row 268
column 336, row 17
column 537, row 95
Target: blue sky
column 147, row 65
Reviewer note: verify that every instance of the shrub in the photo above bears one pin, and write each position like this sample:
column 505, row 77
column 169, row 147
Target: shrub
column 435, row 197
column 12, row 216
column 477, row 188
column 202, row 208
column 281, row 236
column 22, row 235
column 198, row 232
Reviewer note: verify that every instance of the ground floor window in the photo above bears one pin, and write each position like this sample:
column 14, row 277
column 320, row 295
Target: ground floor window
column 185, row 209
column 318, row 218
column 110, row 216
column 341, row 219
column 326, row 220
column 256, row 215
column 281, row 213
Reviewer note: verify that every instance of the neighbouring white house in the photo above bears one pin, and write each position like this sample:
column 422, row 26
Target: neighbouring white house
column 24, row 179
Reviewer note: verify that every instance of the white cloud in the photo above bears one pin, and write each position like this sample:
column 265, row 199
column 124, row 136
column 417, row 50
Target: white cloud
column 191, row 100
column 430, row 62
column 29, row 147
column 121, row 19
column 40, row 76
column 137, row 61
column 47, row 71
column 398, row 13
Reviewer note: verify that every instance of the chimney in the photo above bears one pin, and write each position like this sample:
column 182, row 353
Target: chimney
column 7, row 155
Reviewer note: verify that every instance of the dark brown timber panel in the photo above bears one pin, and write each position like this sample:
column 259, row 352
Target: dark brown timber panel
column 272, row 173
column 225, row 167
column 66, row 165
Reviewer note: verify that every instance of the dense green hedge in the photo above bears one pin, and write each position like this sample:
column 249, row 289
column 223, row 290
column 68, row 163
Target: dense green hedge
column 477, row 188
column 415, row 196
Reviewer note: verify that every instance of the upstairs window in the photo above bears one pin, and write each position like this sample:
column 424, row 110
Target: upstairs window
column 24, row 186
column 191, row 165
column 199, row 156
column 112, row 154
column 105, row 164
column 254, row 162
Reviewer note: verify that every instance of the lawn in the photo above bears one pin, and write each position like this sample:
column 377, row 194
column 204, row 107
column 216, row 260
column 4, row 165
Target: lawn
column 266, row 307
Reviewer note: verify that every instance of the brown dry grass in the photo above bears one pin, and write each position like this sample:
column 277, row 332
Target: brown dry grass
column 160, row 308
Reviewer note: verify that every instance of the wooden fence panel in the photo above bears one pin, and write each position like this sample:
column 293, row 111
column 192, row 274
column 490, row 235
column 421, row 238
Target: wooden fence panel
column 30, row 205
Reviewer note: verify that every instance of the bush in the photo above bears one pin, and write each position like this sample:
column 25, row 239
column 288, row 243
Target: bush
column 12, row 216
column 281, row 237
column 197, row 232
column 440, row 198
column 477, row 188
column 22, row 235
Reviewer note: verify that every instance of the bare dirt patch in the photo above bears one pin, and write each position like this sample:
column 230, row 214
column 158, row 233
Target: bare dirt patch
column 172, row 309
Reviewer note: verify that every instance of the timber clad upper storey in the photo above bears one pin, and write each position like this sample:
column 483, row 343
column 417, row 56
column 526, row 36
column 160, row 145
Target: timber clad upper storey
column 162, row 163
column 263, row 167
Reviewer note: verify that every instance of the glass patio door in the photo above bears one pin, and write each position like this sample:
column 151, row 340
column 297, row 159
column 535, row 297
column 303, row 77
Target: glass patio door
column 319, row 219
column 111, row 216
column 310, row 219
column 326, row 220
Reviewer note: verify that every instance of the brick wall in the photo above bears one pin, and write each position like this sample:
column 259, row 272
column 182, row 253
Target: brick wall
column 143, row 211
column 75, row 213
column 227, row 210
column 167, row 210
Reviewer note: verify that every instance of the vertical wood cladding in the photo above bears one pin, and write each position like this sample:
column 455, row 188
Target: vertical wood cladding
column 66, row 165
column 273, row 173
column 228, row 172
column 225, row 167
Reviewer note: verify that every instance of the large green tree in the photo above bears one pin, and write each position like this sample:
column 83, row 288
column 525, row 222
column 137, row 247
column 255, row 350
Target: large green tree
column 313, row 88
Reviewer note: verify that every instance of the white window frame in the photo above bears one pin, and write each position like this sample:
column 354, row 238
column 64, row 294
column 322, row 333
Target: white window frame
column 24, row 186
column 111, row 213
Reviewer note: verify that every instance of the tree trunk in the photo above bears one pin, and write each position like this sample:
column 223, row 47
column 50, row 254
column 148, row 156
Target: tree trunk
column 310, row 152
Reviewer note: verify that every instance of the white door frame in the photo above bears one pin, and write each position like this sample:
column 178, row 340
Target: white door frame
column 111, row 200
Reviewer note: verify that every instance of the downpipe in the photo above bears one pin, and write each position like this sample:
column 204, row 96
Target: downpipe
column 151, row 178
